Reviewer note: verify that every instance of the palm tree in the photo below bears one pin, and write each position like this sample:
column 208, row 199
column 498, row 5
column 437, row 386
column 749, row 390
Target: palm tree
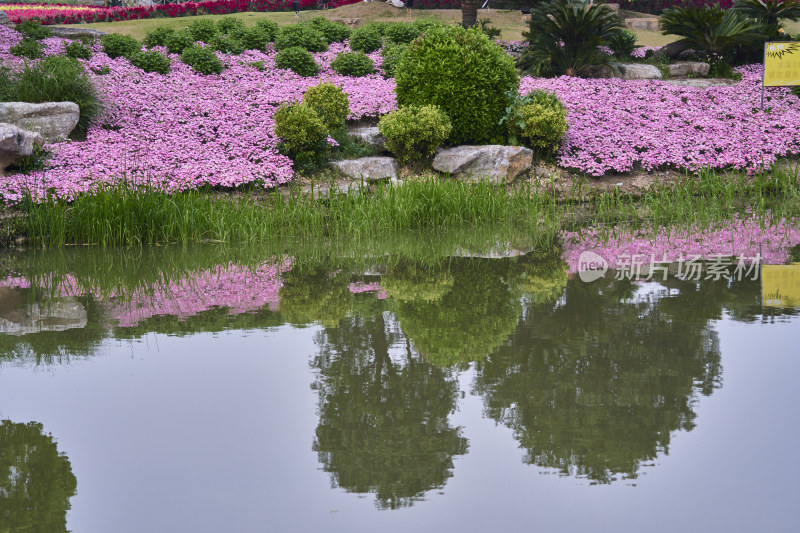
column 769, row 12
column 469, row 13
column 710, row 29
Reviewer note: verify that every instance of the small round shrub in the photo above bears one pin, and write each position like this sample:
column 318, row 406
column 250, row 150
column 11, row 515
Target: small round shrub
column 30, row 48
column 269, row 28
column 228, row 45
column 402, row 32
column 151, row 61
column 252, row 38
column 353, row 64
column 391, row 54
column 33, row 29
column 157, row 37
column 202, row 59
column 413, row 133
column 303, row 135
column 230, row 25
column 366, row 39
column 116, row 45
column 622, row 43
column 330, row 103
column 178, row 41
column 78, row 50
column 301, row 35
column 334, row 32
column 539, row 121
column 203, row 30
column 59, row 79
column 298, row 60
column 471, row 78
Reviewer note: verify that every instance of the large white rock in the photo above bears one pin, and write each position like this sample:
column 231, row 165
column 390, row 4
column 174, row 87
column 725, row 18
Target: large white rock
column 368, row 135
column 639, row 71
column 368, row 168
column 694, row 68
column 15, row 142
column 54, row 120
column 492, row 162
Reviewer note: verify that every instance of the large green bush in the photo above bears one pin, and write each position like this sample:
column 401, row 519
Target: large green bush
column 330, row 103
column 413, row 133
column 298, row 60
column 230, row 25
column 58, row 79
column 402, row 32
column 202, row 59
column 334, row 32
column 570, row 33
column 203, row 30
column 353, row 64
column 228, row 44
column 465, row 74
column 391, row 54
column 116, row 45
column 30, row 48
column 151, row 61
column 538, row 121
column 301, row 35
column 367, row 38
column 157, row 36
column 178, row 41
column 33, row 29
column 252, row 38
column 269, row 28
column 304, row 135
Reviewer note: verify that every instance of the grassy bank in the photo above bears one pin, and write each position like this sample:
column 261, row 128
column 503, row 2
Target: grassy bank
column 121, row 216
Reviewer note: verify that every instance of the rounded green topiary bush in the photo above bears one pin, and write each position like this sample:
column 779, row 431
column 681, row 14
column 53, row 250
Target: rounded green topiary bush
column 402, row 32
column 33, row 29
column 413, row 133
column 391, row 54
column 230, row 25
column 303, row 134
column 463, row 72
column 538, row 121
column 269, row 28
column 301, row 35
column 78, row 50
column 353, row 64
column 30, row 48
column 334, row 32
column 228, row 44
column 151, row 61
column 116, row 45
column 252, row 38
column 330, row 103
column 157, row 37
column 202, row 59
column 203, row 30
column 367, row 38
column 298, row 60
column 178, row 41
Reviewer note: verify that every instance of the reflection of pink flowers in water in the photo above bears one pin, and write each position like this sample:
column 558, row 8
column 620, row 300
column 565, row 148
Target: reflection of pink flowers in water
column 359, row 287
column 238, row 288
column 737, row 238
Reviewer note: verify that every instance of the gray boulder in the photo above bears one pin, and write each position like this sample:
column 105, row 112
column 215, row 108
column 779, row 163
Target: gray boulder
column 4, row 19
column 15, row 143
column 367, row 134
column 492, row 162
column 639, row 71
column 54, row 120
column 642, row 23
column 18, row 317
column 75, row 33
column 368, row 168
column 693, row 68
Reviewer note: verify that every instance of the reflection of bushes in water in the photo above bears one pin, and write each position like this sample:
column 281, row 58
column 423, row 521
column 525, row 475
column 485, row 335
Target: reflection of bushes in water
column 540, row 280
column 36, row 482
column 411, row 283
column 383, row 424
column 315, row 296
column 468, row 321
column 596, row 386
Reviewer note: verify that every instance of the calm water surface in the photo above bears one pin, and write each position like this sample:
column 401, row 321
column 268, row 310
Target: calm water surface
column 210, row 389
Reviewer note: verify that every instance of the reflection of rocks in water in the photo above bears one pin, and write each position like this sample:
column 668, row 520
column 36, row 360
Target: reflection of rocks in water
column 20, row 316
column 36, row 481
column 595, row 386
column 383, row 414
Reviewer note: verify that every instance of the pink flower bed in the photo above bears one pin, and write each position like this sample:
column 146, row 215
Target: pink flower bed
column 616, row 125
column 183, row 130
column 741, row 237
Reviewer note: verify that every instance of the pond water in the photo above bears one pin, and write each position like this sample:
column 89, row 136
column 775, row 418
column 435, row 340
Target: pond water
column 237, row 389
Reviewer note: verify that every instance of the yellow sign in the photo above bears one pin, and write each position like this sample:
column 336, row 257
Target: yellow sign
column 781, row 64
column 780, row 285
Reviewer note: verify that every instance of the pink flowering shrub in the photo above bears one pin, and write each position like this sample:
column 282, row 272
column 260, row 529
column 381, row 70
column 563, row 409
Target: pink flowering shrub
column 740, row 237
column 183, row 130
